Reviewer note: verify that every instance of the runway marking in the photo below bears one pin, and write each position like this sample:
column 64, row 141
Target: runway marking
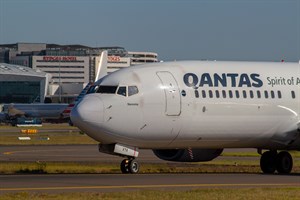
column 149, row 186
column 35, row 151
column 8, row 153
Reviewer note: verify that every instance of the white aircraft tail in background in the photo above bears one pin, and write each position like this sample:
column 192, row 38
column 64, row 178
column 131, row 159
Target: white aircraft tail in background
column 102, row 67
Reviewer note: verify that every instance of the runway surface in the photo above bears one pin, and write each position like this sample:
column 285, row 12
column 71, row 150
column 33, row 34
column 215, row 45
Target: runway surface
column 57, row 183
column 81, row 153
column 70, row 153
column 121, row 182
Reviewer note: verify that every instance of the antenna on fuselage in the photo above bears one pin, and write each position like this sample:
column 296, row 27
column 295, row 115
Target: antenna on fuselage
column 102, row 67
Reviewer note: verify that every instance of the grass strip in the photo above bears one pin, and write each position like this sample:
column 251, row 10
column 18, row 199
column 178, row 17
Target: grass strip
column 289, row 193
column 111, row 168
column 48, row 139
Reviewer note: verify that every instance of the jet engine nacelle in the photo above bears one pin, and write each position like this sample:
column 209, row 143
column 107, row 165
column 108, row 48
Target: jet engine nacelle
column 187, row 155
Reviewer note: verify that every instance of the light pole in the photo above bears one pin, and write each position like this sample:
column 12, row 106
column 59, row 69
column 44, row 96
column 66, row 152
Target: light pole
column 59, row 79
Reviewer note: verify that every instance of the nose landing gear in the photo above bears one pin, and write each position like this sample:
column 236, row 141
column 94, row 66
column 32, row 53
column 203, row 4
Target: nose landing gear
column 271, row 161
column 129, row 166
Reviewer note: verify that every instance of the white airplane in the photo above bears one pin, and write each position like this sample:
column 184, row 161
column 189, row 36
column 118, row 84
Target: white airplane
column 189, row 111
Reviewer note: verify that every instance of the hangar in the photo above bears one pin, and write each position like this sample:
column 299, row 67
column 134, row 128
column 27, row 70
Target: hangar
column 19, row 84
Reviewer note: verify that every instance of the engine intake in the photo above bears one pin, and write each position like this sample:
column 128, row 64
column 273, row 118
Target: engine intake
column 187, row 155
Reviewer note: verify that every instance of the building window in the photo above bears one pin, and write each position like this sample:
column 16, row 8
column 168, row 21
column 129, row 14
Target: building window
column 19, row 91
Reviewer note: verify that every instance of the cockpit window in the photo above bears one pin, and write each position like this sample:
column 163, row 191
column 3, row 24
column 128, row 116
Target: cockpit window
column 105, row 89
column 132, row 90
column 122, row 91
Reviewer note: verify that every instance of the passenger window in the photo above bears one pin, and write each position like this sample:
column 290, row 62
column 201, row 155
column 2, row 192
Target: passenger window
column 279, row 94
column 217, row 94
column 272, row 94
column 224, row 94
column 230, row 94
column 210, row 94
column 258, row 94
column 251, row 94
column 132, row 90
column 196, row 94
column 266, row 94
column 293, row 94
column 203, row 94
column 244, row 94
column 122, row 91
column 237, row 94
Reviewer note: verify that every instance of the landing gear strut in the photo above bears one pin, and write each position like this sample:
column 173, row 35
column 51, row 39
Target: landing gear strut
column 130, row 166
column 270, row 161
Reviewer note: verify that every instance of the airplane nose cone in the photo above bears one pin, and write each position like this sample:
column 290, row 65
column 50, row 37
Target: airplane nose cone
column 89, row 110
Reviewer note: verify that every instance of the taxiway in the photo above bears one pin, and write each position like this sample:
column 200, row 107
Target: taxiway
column 119, row 182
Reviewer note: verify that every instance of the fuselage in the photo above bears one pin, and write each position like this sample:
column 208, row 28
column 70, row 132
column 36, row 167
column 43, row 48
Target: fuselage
column 196, row 104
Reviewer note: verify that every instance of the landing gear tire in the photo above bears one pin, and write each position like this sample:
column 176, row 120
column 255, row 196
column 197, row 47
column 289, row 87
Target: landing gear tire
column 124, row 166
column 284, row 162
column 268, row 162
column 134, row 167
column 129, row 166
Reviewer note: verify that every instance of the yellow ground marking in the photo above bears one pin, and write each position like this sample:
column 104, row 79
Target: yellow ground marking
column 30, row 151
column 150, row 186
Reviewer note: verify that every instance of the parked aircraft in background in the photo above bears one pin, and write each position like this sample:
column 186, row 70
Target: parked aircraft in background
column 190, row 111
column 44, row 111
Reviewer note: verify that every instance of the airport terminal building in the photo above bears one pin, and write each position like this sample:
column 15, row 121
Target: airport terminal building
column 20, row 84
column 71, row 66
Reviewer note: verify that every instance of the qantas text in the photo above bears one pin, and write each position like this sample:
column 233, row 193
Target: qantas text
column 223, row 80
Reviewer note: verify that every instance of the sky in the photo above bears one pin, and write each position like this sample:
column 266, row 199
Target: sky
column 249, row 30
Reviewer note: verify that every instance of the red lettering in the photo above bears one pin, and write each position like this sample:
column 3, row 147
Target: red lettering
column 114, row 58
column 60, row 58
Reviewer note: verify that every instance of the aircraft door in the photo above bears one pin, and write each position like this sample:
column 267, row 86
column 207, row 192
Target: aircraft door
column 172, row 93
